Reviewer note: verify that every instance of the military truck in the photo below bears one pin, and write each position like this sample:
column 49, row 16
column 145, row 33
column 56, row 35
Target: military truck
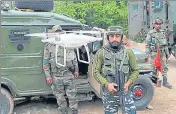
column 22, row 56
column 142, row 13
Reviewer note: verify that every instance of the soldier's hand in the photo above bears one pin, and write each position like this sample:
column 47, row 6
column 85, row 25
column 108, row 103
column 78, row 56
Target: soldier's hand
column 126, row 87
column 49, row 80
column 76, row 74
column 112, row 87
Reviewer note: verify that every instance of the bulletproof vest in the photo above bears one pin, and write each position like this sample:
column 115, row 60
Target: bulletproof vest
column 158, row 39
column 70, row 55
column 108, row 67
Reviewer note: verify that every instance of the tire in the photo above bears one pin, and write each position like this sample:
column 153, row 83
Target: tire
column 6, row 102
column 36, row 5
column 143, row 92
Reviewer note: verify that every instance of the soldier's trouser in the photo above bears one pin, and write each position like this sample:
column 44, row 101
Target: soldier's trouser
column 111, row 103
column 65, row 85
column 164, row 63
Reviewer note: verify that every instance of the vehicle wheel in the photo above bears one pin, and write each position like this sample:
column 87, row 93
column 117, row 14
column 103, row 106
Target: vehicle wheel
column 6, row 102
column 36, row 5
column 143, row 92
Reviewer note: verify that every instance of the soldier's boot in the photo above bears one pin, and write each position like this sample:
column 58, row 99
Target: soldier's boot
column 64, row 111
column 74, row 111
column 149, row 107
column 165, row 83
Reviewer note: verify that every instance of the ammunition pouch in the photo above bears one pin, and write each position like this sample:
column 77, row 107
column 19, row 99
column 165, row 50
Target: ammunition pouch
column 126, row 70
column 107, row 71
column 153, row 47
column 70, row 66
column 163, row 42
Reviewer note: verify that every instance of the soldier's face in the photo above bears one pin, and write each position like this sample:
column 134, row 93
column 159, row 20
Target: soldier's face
column 157, row 26
column 114, row 38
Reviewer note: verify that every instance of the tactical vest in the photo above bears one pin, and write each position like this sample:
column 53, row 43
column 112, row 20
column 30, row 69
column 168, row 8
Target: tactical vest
column 158, row 39
column 108, row 67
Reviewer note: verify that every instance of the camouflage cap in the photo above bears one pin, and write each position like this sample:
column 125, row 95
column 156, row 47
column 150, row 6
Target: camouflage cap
column 56, row 28
column 158, row 21
column 115, row 30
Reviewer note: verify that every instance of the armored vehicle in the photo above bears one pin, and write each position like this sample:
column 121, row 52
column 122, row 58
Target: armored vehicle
column 21, row 61
column 142, row 13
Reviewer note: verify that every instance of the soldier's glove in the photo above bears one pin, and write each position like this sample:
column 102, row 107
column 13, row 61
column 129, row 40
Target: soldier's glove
column 76, row 74
column 49, row 80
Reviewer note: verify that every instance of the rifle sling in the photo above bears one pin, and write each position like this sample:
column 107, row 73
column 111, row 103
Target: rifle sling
column 124, row 55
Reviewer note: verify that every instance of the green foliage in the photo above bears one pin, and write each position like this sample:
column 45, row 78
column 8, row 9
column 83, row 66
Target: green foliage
column 95, row 13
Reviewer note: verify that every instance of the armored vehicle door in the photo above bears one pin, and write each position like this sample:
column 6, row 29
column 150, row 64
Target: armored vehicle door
column 136, row 19
column 21, row 58
column 93, row 82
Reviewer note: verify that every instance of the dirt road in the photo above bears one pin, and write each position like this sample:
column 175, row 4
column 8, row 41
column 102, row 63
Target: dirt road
column 164, row 101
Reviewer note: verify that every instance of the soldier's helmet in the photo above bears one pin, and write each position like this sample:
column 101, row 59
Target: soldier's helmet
column 158, row 21
column 114, row 30
column 56, row 28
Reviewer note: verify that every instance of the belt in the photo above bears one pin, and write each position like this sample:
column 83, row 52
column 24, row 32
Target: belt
column 61, row 73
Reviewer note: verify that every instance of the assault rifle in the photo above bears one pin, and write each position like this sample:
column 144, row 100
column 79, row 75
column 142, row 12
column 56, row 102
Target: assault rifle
column 120, row 81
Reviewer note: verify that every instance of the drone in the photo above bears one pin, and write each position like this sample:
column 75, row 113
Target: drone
column 69, row 40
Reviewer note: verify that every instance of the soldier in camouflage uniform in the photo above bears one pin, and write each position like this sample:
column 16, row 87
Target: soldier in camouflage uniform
column 61, row 78
column 104, row 72
column 156, row 39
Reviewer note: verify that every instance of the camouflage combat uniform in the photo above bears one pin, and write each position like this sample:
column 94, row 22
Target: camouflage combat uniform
column 63, row 79
column 156, row 39
column 104, row 72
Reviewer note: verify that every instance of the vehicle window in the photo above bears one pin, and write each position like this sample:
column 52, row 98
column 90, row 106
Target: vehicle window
column 96, row 45
column 135, row 7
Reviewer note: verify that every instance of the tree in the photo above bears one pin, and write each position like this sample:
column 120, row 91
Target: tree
column 95, row 13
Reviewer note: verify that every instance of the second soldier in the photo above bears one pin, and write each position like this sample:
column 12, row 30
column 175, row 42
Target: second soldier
column 61, row 78
column 156, row 40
